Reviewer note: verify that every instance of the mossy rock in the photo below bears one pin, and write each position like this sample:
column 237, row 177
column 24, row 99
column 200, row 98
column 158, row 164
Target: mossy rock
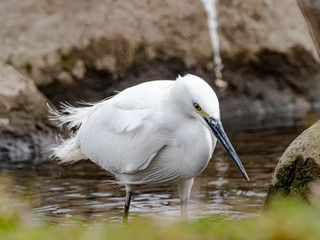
column 298, row 167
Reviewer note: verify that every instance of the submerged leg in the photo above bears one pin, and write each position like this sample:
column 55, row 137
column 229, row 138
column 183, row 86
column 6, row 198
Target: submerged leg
column 184, row 189
column 127, row 203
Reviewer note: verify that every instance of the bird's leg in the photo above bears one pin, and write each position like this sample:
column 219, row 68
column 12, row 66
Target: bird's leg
column 184, row 189
column 127, row 203
column 184, row 210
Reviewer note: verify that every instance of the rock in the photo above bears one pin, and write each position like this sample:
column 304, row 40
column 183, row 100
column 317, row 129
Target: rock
column 106, row 45
column 41, row 38
column 24, row 128
column 299, row 167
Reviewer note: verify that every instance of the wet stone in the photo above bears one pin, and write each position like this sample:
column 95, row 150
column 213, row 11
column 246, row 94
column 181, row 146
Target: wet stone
column 294, row 179
column 26, row 131
column 298, row 168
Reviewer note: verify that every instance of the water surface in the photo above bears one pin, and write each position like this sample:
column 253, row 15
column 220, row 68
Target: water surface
column 81, row 189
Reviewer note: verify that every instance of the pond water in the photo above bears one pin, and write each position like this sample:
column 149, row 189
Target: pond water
column 220, row 191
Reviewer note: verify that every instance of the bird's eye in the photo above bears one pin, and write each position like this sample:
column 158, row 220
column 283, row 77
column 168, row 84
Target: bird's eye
column 197, row 106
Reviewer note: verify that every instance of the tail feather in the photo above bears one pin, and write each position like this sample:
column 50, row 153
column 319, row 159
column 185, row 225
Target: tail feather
column 70, row 115
column 67, row 151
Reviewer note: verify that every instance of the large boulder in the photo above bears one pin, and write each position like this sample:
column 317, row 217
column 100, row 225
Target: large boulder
column 298, row 170
column 24, row 128
column 102, row 45
column 62, row 40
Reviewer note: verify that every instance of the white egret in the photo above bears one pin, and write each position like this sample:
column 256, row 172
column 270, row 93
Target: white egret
column 157, row 132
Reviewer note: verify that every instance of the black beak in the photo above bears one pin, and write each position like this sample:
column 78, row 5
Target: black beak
column 218, row 131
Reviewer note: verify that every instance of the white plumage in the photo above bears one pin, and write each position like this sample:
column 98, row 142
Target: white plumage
column 152, row 133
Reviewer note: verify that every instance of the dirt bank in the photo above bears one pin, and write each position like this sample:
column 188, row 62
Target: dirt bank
column 102, row 45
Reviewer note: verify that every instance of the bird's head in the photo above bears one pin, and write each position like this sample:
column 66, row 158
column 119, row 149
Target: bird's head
column 197, row 99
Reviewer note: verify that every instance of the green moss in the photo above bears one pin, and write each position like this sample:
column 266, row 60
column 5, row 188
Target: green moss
column 284, row 220
column 27, row 67
column 293, row 179
column 67, row 62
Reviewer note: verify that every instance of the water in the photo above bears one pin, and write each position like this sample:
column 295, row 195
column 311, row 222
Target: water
column 211, row 8
column 60, row 192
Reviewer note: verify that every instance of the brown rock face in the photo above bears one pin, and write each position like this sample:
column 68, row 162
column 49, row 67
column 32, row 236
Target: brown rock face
column 62, row 40
column 24, row 129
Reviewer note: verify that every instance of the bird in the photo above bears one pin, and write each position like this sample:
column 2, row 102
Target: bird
column 158, row 132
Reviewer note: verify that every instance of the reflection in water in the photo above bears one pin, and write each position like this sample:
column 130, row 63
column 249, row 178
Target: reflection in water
column 81, row 189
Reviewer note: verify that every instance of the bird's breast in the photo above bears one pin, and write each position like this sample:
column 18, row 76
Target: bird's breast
column 195, row 144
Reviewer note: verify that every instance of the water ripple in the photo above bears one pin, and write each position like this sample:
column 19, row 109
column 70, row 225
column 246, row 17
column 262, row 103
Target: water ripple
column 220, row 191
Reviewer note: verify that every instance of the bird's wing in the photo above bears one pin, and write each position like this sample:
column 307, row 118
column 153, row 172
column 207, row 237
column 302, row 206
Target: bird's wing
column 125, row 133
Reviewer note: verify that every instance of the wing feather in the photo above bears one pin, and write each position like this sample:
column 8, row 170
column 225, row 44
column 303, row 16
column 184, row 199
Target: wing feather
column 124, row 134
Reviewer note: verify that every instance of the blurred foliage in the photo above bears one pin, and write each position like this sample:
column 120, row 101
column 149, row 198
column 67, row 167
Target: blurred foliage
column 285, row 219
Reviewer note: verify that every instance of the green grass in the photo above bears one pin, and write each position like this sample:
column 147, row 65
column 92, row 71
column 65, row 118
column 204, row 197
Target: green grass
column 285, row 219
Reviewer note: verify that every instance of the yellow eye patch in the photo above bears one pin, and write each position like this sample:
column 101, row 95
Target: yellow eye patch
column 197, row 107
column 201, row 112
